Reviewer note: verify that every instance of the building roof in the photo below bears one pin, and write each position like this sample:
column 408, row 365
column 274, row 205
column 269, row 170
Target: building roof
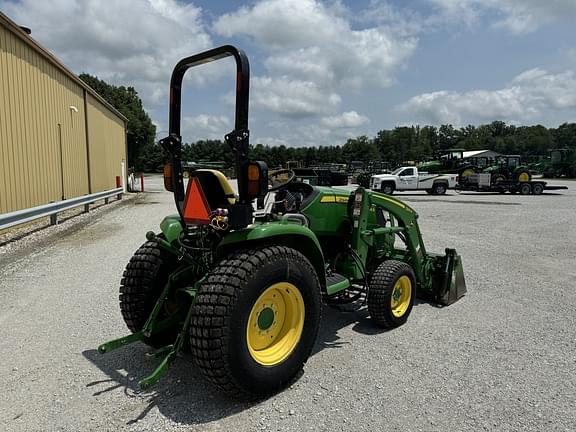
column 474, row 153
column 27, row 39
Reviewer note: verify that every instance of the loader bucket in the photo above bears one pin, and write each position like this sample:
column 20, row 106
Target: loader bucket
column 448, row 284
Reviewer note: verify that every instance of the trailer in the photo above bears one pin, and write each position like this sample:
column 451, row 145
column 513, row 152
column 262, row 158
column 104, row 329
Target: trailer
column 486, row 182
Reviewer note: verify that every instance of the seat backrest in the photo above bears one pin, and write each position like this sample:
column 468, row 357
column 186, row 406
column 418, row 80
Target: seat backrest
column 216, row 188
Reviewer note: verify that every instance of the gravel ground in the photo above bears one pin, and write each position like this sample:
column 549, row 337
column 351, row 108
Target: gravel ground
column 501, row 359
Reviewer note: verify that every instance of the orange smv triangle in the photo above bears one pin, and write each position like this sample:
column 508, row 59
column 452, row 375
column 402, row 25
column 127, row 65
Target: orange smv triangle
column 196, row 208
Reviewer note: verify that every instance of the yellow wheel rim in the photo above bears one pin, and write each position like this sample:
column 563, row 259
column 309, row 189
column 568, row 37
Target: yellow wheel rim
column 499, row 179
column 467, row 172
column 275, row 324
column 524, row 177
column 401, row 296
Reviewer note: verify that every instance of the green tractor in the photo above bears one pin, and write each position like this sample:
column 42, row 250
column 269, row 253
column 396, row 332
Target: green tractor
column 241, row 288
column 562, row 163
column 450, row 161
column 508, row 168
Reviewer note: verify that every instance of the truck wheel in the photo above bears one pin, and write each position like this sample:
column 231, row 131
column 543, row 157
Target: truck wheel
column 255, row 320
column 142, row 283
column 525, row 189
column 391, row 293
column 387, row 188
column 439, row 188
column 537, row 189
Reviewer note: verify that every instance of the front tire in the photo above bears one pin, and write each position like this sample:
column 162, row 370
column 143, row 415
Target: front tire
column 255, row 320
column 387, row 188
column 391, row 294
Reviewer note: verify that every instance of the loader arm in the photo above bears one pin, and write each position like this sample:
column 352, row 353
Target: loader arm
column 440, row 277
column 364, row 235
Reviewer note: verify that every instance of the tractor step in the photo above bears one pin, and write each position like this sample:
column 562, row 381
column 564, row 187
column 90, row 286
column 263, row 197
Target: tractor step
column 336, row 283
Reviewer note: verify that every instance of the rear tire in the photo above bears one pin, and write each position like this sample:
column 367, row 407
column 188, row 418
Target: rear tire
column 467, row 172
column 523, row 175
column 439, row 189
column 240, row 304
column 391, row 294
column 142, row 283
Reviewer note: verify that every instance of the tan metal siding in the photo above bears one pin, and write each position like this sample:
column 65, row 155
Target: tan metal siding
column 42, row 146
column 107, row 145
column 5, row 132
column 45, row 145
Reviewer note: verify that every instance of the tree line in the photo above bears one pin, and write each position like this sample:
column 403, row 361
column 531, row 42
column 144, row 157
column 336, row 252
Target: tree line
column 397, row 146
column 406, row 143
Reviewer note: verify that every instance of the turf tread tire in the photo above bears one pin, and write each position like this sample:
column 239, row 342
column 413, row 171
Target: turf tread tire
column 380, row 292
column 213, row 319
column 142, row 282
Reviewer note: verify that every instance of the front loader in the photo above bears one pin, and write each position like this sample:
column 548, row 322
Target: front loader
column 240, row 286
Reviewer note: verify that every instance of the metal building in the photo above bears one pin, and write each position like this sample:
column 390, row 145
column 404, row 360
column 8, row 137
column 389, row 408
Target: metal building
column 58, row 138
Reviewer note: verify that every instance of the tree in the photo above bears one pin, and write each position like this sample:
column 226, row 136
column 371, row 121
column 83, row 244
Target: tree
column 401, row 145
column 361, row 149
column 447, row 137
column 141, row 131
column 565, row 135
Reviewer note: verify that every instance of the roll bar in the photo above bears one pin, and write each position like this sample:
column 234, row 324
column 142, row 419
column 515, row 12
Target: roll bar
column 238, row 139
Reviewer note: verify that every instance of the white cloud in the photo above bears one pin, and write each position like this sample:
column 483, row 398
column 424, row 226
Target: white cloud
column 517, row 16
column 533, row 95
column 349, row 119
column 128, row 42
column 205, row 126
column 315, row 48
column 292, row 98
column 307, row 135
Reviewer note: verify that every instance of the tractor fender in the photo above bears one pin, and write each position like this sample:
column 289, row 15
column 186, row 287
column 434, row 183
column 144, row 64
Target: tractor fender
column 292, row 235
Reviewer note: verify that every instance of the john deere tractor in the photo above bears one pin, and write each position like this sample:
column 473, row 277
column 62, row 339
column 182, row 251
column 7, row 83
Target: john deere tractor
column 241, row 288
column 449, row 161
column 508, row 168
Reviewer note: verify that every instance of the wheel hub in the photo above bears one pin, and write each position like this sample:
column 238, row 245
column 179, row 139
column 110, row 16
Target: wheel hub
column 265, row 318
column 401, row 296
column 275, row 324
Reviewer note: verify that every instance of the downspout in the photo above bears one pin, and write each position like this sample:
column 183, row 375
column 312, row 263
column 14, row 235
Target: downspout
column 87, row 142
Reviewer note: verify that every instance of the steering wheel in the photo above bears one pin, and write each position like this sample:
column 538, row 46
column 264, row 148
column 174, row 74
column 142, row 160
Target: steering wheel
column 277, row 184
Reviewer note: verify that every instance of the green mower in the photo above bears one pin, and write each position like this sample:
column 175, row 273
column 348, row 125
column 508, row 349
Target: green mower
column 238, row 280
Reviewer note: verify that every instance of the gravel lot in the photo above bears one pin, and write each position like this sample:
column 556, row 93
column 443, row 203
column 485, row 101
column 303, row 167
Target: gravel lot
column 501, row 359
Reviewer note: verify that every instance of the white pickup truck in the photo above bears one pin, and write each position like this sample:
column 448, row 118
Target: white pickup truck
column 408, row 179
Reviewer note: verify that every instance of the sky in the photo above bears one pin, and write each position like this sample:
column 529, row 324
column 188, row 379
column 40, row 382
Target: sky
column 325, row 71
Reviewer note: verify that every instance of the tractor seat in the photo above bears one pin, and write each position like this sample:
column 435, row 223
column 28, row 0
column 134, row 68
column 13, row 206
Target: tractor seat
column 216, row 188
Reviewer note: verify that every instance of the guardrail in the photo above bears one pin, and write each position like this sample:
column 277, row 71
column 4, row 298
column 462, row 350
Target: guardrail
column 18, row 217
